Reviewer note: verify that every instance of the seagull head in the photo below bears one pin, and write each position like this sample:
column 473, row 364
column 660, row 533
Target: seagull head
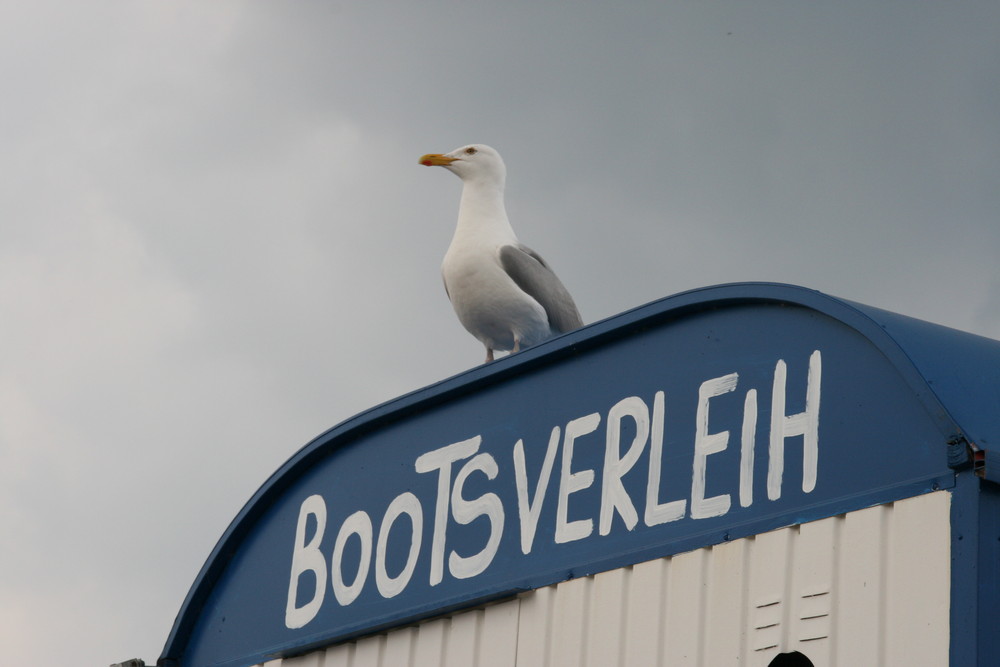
column 472, row 163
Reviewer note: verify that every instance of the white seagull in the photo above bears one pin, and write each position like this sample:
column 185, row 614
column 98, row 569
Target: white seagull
column 503, row 292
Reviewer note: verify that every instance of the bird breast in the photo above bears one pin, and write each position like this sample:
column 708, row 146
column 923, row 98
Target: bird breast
column 488, row 302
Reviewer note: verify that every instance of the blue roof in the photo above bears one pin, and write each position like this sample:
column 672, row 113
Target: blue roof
column 962, row 370
column 956, row 373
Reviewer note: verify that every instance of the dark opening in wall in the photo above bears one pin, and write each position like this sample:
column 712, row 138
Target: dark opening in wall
column 793, row 659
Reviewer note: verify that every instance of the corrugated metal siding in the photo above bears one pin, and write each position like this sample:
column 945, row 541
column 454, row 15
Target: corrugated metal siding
column 867, row 588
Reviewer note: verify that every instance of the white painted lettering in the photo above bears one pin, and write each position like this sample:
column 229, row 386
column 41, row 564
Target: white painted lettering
column 613, row 495
column 441, row 460
column 571, row 482
column 359, row 524
column 657, row 513
column 530, row 511
column 404, row 503
column 746, row 448
column 706, row 443
column 475, row 550
column 307, row 558
column 804, row 423
column 466, row 511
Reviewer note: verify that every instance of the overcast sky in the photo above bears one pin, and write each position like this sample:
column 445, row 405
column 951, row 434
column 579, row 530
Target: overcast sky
column 216, row 241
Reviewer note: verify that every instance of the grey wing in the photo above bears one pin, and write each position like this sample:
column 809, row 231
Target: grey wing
column 530, row 272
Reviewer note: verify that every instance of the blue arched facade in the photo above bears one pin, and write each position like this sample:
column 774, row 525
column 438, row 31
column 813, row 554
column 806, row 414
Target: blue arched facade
column 703, row 417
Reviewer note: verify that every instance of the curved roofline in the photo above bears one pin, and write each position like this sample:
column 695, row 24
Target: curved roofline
column 877, row 326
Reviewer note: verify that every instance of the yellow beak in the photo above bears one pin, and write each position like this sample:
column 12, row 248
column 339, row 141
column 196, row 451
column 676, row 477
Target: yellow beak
column 436, row 160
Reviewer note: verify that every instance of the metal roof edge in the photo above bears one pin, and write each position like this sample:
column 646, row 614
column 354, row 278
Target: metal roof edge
column 880, row 328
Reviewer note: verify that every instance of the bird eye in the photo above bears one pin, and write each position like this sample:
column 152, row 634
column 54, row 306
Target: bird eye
column 470, row 151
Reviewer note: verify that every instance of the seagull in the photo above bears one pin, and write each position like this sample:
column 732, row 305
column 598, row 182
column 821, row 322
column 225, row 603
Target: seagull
column 503, row 291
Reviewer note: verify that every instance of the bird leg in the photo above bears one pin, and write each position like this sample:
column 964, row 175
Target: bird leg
column 489, row 350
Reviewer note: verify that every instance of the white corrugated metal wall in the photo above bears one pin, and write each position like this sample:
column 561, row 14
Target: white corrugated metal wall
column 871, row 587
